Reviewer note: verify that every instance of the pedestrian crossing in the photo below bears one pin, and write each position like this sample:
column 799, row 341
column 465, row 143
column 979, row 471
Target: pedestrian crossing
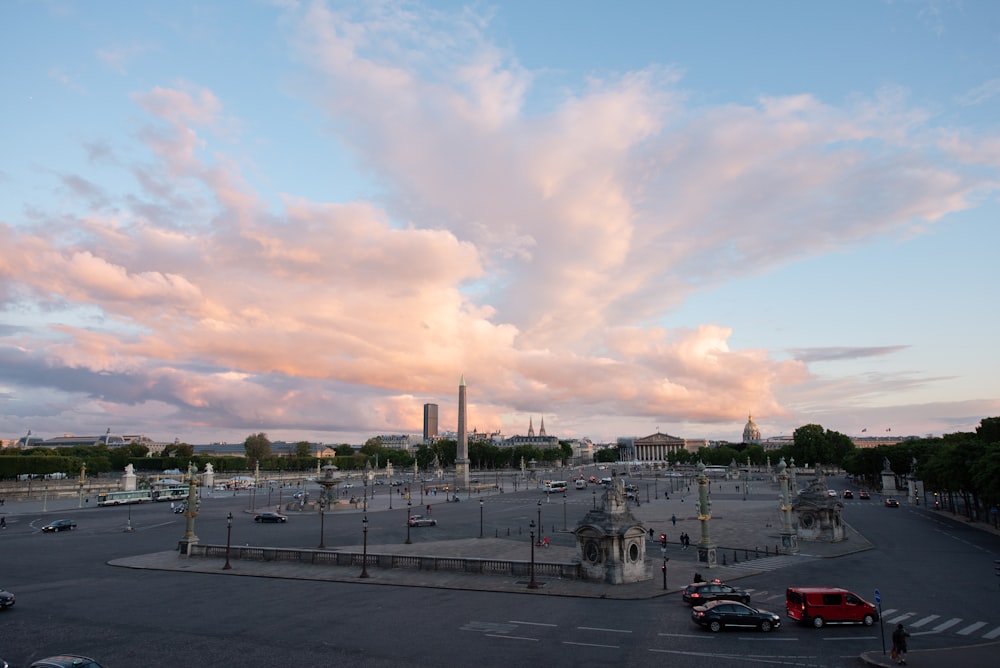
column 922, row 625
column 766, row 564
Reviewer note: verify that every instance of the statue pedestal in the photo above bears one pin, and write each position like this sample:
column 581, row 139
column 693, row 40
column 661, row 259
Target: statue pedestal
column 888, row 482
column 707, row 556
column 789, row 543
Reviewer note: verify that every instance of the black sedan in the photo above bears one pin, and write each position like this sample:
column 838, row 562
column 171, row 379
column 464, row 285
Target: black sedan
column 270, row 517
column 719, row 615
column 59, row 525
column 891, row 503
column 697, row 593
column 66, row 661
column 6, row 599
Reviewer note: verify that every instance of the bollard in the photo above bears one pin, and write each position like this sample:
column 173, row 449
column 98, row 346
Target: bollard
column 756, row 552
column 746, row 554
column 723, row 558
column 735, row 558
column 767, row 550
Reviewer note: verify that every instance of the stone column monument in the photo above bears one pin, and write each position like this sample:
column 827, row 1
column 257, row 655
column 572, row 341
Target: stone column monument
column 706, row 548
column 789, row 538
column 462, row 455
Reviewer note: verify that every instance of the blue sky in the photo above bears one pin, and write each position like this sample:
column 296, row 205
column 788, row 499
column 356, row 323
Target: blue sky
column 311, row 218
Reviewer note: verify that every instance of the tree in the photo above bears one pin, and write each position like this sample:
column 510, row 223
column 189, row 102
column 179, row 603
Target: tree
column 303, row 450
column 257, row 447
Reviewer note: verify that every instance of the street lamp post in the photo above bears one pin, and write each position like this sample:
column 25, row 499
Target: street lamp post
column 408, row 503
column 532, row 584
column 539, row 521
column 229, row 535
column 322, row 523
column 564, row 510
column 364, row 549
column 480, row 518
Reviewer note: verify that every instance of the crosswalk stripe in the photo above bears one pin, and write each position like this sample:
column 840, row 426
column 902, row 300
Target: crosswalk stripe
column 926, row 620
column 992, row 634
column 948, row 624
column 886, row 613
column 971, row 628
column 902, row 617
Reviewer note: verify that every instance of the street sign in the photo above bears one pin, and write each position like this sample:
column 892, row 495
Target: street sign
column 878, row 596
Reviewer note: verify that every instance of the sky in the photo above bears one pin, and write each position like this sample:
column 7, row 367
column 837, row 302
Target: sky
column 309, row 219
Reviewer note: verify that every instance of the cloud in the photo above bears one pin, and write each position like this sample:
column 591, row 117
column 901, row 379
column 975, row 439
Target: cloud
column 535, row 252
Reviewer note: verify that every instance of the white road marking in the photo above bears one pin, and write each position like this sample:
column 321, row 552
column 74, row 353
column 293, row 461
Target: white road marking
column 992, row 634
column 588, row 644
column 514, row 621
column 948, row 624
column 493, row 635
column 594, row 628
column 926, row 620
column 971, row 628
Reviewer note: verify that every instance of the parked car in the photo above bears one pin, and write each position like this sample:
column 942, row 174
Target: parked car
column 832, row 493
column 848, row 494
column 6, row 599
column 891, row 503
column 864, row 495
column 823, row 605
column 270, row 517
column 66, row 661
column 718, row 615
column 59, row 525
column 697, row 593
column 421, row 521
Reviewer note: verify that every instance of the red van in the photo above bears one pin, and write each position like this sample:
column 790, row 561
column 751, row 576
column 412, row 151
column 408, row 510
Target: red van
column 828, row 605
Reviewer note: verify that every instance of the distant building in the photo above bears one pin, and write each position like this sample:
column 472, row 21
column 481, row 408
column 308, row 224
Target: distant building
column 541, row 440
column 751, row 434
column 430, row 422
column 655, row 448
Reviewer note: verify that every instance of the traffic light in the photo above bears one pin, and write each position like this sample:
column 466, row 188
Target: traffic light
column 663, row 540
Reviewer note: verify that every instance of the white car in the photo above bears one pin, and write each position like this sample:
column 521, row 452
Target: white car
column 421, row 521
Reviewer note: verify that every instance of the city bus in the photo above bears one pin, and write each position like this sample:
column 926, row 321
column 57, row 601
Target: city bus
column 119, row 498
column 556, row 486
column 175, row 493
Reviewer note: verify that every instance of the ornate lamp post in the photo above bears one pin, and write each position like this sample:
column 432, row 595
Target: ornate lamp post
column 322, row 522
column 532, row 584
column 229, row 535
column 364, row 552
column 480, row 518
column 408, row 503
column 539, row 521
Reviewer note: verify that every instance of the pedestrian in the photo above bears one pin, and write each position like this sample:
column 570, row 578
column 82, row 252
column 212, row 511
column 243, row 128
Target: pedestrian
column 3, row 522
column 171, row 506
column 899, row 637
column 673, row 518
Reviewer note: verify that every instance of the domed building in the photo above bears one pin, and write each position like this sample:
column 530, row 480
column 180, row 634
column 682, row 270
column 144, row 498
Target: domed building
column 751, row 434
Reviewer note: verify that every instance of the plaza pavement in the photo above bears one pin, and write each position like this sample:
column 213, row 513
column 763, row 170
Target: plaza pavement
column 741, row 529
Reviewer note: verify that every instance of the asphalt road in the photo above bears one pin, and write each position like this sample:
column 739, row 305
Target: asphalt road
column 927, row 567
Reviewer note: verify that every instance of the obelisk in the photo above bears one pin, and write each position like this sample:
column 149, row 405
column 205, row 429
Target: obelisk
column 462, row 453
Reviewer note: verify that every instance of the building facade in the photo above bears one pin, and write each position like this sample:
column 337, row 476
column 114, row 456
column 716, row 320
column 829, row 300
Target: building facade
column 430, row 422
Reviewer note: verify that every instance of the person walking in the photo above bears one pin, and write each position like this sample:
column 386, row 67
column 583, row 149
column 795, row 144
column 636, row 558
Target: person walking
column 899, row 637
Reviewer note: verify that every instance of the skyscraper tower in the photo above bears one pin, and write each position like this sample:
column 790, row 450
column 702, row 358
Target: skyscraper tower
column 462, row 454
column 430, row 422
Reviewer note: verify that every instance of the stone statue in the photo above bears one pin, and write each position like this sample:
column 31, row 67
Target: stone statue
column 129, row 469
column 885, row 464
column 209, row 468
